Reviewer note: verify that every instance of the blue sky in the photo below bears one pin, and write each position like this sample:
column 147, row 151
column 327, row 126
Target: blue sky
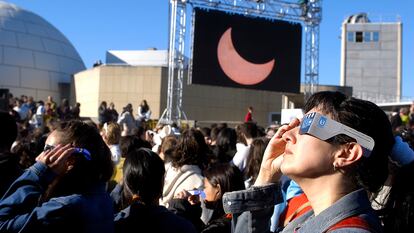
column 97, row 26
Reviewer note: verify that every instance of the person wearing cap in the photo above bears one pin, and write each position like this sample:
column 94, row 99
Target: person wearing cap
column 337, row 154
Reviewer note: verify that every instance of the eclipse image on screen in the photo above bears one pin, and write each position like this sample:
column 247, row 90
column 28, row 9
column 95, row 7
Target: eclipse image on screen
column 237, row 51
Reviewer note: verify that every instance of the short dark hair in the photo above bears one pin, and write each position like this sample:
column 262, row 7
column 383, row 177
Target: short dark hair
column 228, row 176
column 187, row 151
column 214, row 133
column 365, row 117
column 226, row 142
column 205, row 131
column 143, row 174
column 167, row 147
column 84, row 173
column 128, row 143
column 8, row 130
column 249, row 129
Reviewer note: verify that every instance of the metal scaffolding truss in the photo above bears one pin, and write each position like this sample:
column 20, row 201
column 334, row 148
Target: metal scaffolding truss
column 313, row 17
column 308, row 12
column 176, row 64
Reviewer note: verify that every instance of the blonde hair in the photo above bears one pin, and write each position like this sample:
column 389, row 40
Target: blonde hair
column 112, row 132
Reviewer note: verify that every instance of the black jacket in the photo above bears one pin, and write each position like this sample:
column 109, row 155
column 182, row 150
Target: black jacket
column 9, row 171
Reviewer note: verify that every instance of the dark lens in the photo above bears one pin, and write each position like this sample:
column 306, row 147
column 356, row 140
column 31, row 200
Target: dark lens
column 48, row 147
column 305, row 124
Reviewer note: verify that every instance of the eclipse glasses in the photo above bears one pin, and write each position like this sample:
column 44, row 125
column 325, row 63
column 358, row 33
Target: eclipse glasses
column 322, row 127
column 82, row 151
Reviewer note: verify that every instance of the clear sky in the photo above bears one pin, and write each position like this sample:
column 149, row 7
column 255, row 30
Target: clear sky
column 95, row 26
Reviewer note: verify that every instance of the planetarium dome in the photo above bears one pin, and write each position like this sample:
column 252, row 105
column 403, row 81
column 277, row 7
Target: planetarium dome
column 36, row 58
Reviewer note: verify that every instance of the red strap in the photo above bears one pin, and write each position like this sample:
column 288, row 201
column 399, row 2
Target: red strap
column 355, row 222
column 296, row 207
column 300, row 205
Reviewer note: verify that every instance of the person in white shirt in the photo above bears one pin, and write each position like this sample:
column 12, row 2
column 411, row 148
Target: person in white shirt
column 182, row 168
column 37, row 120
column 144, row 112
column 127, row 121
column 111, row 134
column 248, row 131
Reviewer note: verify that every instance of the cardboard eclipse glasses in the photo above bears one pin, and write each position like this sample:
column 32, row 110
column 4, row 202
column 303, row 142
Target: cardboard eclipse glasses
column 82, row 151
column 322, row 127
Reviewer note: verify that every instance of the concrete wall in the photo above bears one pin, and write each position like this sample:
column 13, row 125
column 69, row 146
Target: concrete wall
column 131, row 84
column 373, row 68
column 120, row 85
column 211, row 103
column 87, row 91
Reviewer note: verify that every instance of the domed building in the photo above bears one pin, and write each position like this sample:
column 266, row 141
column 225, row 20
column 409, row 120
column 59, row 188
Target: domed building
column 36, row 59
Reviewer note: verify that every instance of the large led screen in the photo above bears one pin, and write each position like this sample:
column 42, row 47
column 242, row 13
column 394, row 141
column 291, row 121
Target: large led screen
column 237, row 51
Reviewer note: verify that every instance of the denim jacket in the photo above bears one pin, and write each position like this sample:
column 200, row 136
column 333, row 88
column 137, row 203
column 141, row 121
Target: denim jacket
column 253, row 208
column 20, row 210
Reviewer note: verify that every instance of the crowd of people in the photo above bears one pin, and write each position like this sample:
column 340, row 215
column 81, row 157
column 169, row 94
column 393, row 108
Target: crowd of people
column 345, row 167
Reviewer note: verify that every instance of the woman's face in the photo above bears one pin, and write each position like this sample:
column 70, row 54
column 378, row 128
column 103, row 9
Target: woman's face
column 306, row 156
column 53, row 139
column 212, row 193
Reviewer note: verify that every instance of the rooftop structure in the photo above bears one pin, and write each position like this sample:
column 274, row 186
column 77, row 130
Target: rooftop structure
column 151, row 57
column 371, row 57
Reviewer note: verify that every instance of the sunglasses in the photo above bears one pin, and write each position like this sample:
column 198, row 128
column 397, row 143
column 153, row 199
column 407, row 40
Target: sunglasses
column 82, row 151
column 324, row 128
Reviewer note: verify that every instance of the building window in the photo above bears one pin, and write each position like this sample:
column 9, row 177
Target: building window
column 367, row 36
column 358, row 37
column 375, row 36
column 351, row 36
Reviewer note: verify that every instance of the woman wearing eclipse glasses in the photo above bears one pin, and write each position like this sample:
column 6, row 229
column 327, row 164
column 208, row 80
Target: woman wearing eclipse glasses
column 65, row 190
column 338, row 154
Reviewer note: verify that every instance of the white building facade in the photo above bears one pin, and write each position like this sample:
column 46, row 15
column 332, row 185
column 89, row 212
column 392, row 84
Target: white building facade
column 371, row 59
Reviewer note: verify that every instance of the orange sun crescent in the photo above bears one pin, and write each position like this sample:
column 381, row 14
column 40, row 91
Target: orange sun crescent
column 236, row 67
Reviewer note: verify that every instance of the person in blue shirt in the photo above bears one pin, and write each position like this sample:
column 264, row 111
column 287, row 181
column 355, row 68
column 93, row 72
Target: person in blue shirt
column 65, row 190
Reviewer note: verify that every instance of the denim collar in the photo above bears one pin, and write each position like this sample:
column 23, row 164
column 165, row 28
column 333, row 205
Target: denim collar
column 352, row 204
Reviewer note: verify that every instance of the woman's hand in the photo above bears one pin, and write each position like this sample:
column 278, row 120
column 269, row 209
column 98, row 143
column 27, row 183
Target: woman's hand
column 192, row 199
column 57, row 158
column 272, row 159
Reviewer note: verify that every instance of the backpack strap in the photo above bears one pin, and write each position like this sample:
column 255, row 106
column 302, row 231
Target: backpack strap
column 180, row 178
column 296, row 207
column 352, row 222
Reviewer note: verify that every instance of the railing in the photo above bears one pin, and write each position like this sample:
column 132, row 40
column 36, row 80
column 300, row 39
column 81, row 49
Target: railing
column 382, row 98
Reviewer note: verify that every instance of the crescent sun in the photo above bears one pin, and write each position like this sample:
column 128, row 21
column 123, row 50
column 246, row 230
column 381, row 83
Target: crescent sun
column 236, row 67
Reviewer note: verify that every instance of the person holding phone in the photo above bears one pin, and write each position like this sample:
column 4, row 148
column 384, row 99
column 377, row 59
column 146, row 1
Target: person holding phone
column 219, row 179
column 65, row 190
column 338, row 153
